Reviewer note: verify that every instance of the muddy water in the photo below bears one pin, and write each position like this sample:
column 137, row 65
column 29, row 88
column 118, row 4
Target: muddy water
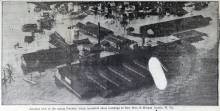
column 194, row 83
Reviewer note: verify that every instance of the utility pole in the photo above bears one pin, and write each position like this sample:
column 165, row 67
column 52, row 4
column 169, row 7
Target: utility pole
column 143, row 40
column 99, row 38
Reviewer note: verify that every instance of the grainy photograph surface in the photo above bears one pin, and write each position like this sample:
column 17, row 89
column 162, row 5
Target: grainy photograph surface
column 109, row 52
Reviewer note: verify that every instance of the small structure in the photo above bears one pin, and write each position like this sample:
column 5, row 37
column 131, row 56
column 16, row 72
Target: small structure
column 191, row 36
column 42, row 6
column 117, row 42
column 29, row 28
column 46, row 23
column 29, row 39
column 112, row 42
column 82, row 41
column 92, row 29
column 78, row 15
column 41, row 60
column 57, row 40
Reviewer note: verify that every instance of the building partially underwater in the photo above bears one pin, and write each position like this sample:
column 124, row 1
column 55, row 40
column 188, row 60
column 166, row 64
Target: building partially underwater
column 86, row 73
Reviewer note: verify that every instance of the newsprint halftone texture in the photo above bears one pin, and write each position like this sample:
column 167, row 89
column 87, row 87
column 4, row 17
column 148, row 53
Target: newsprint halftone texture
column 106, row 52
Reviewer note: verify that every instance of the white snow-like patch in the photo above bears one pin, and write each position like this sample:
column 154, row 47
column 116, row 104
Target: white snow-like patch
column 106, row 53
column 156, row 70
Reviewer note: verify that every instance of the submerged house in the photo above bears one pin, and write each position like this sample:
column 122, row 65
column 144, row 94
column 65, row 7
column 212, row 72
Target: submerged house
column 169, row 27
column 57, row 40
column 30, row 28
column 41, row 60
column 82, row 41
column 117, row 73
column 92, row 29
column 50, row 58
column 117, row 42
column 190, row 36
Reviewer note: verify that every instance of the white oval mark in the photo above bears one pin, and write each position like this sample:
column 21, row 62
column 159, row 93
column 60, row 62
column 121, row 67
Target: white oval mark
column 156, row 70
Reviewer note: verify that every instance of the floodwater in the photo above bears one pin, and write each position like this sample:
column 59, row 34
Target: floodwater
column 194, row 83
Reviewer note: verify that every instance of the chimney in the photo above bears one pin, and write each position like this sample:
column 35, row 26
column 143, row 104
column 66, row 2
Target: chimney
column 143, row 41
column 99, row 38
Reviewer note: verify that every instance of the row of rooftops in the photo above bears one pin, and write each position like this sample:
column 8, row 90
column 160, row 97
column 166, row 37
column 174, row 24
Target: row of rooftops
column 92, row 28
column 104, row 33
column 108, row 36
column 117, row 39
column 173, row 26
